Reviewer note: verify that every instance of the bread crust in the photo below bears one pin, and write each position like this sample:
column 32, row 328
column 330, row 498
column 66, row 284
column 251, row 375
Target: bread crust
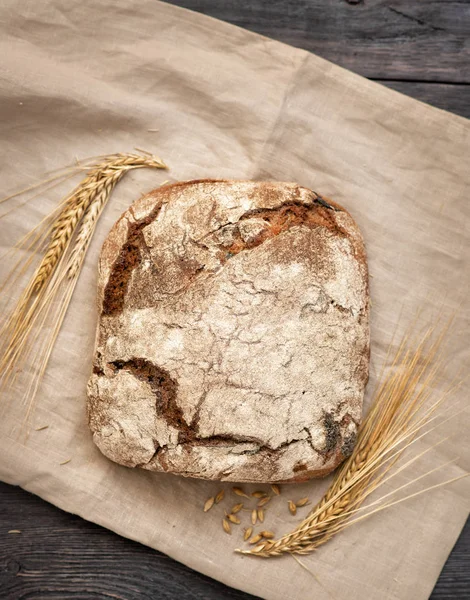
column 233, row 338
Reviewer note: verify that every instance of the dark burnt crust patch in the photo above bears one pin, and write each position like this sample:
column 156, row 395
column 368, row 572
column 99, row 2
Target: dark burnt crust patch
column 304, row 473
column 282, row 218
column 348, row 445
column 129, row 257
column 267, row 459
column 165, row 389
column 332, row 433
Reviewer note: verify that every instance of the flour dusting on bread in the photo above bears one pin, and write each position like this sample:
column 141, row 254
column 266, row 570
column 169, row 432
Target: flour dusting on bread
column 233, row 339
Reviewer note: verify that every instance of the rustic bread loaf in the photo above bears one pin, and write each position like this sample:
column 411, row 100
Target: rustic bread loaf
column 233, row 338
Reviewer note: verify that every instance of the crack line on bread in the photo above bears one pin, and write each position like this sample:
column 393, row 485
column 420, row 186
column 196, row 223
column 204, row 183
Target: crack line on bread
column 129, row 257
column 277, row 220
column 288, row 317
column 164, row 387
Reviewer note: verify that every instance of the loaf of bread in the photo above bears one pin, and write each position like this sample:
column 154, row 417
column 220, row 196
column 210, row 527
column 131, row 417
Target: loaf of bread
column 233, row 334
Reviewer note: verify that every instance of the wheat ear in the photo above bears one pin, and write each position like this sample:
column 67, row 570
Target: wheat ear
column 69, row 229
column 398, row 418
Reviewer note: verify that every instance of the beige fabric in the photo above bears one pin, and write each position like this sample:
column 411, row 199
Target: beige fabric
column 87, row 78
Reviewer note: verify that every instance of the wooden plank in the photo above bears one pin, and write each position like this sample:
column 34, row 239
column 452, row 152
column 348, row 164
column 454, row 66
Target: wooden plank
column 382, row 39
column 58, row 555
column 451, row 97
column 454, row 580
column 61, row 556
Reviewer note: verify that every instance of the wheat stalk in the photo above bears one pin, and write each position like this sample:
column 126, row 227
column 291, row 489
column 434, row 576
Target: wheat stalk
column 69, row 229
column 397, row 419
column 93, row 192
column 61, row 234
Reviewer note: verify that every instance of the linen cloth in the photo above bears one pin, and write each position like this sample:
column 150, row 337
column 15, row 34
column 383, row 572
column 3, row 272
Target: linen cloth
column 88, row 78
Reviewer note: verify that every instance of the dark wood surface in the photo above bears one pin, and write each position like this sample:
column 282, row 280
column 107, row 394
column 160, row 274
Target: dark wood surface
column 60, row 556
column 418, row 47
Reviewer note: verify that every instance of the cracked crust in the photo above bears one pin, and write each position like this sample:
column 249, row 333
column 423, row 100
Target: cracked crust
column 233, row 340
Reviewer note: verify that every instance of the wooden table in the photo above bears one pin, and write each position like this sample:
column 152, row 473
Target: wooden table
column 420, row 48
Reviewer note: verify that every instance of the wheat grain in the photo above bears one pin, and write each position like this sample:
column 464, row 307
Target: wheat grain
column 233, row 519
column 292, row 507
column 209, row 503
column 247, row 533
column 302, row 502
column 226, row 526
column 263, row 501
column 220, row 496
column 254, row 516
column 276, row 489
column 267, row 534
column 236, row 508
column 259, row 494
column 255, row 539
column 262, row 548
column 58, row 244
column 260, row 513
column 239, row 492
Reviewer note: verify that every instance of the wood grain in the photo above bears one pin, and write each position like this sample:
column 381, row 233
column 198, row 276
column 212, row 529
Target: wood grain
column 454, row 580
column 61, row 556
column 452, row 97
column 377, row 38
column 422, row 43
